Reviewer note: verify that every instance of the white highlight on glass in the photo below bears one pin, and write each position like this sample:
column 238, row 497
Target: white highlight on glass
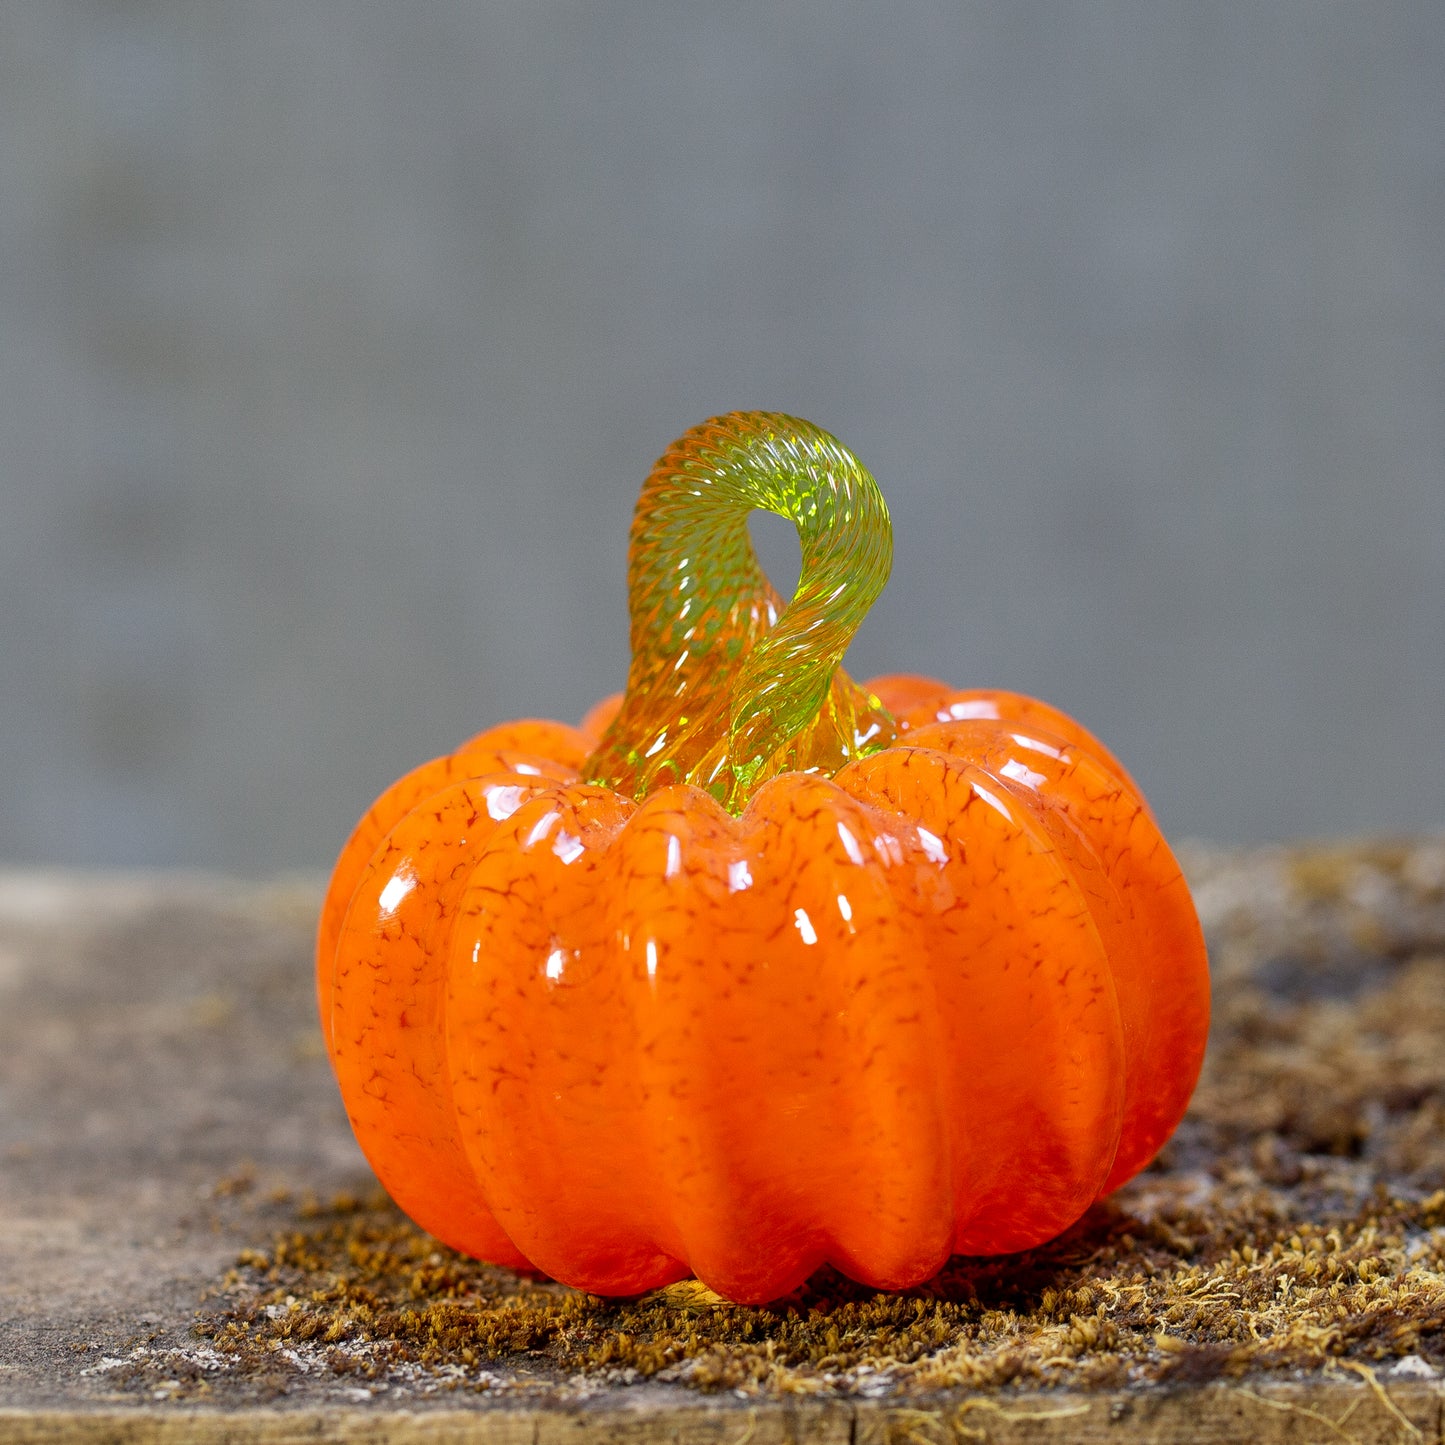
column 805, row 925
column 1034, row 745
column 959, row 711
column 397, row 887
column 1021, row 773
column 997, row 804
column 503, row 802
column 850, row 844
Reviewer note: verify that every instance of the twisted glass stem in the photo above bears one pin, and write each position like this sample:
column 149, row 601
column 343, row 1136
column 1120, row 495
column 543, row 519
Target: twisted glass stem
column 727, row 686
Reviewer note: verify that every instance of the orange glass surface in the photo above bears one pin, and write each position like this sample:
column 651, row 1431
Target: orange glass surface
column 935, row 998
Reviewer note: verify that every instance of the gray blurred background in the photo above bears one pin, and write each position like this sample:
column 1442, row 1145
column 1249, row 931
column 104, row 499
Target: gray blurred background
column 338, row 337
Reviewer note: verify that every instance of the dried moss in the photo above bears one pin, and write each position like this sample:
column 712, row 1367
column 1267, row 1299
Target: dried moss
column 1297, row 1220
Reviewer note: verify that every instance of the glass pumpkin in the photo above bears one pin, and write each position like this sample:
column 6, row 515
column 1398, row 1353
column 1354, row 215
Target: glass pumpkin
column 761, row 969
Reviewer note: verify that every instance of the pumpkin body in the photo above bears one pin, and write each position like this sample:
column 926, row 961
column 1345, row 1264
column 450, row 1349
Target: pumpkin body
column 939, row 1002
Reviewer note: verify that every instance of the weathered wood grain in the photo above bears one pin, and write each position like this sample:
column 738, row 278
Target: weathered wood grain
column 1266, row 1414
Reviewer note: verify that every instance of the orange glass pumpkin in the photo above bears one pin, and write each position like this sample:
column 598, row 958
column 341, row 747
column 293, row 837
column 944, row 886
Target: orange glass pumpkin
column 759, row 969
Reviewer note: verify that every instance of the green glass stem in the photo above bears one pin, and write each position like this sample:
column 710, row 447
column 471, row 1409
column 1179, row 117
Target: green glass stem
column 728, row 686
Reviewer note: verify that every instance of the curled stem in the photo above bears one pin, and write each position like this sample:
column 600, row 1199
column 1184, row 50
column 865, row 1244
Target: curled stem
column 727, row 686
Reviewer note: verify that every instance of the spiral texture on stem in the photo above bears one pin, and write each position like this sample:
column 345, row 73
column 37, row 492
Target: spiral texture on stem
column 728, row 686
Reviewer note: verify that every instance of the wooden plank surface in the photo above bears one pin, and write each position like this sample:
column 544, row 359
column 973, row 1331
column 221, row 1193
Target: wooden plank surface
column 165, row 1107
column 1268, row 1414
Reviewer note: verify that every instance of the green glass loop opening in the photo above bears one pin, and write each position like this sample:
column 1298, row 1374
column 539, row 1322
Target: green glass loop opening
column 727, row 685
